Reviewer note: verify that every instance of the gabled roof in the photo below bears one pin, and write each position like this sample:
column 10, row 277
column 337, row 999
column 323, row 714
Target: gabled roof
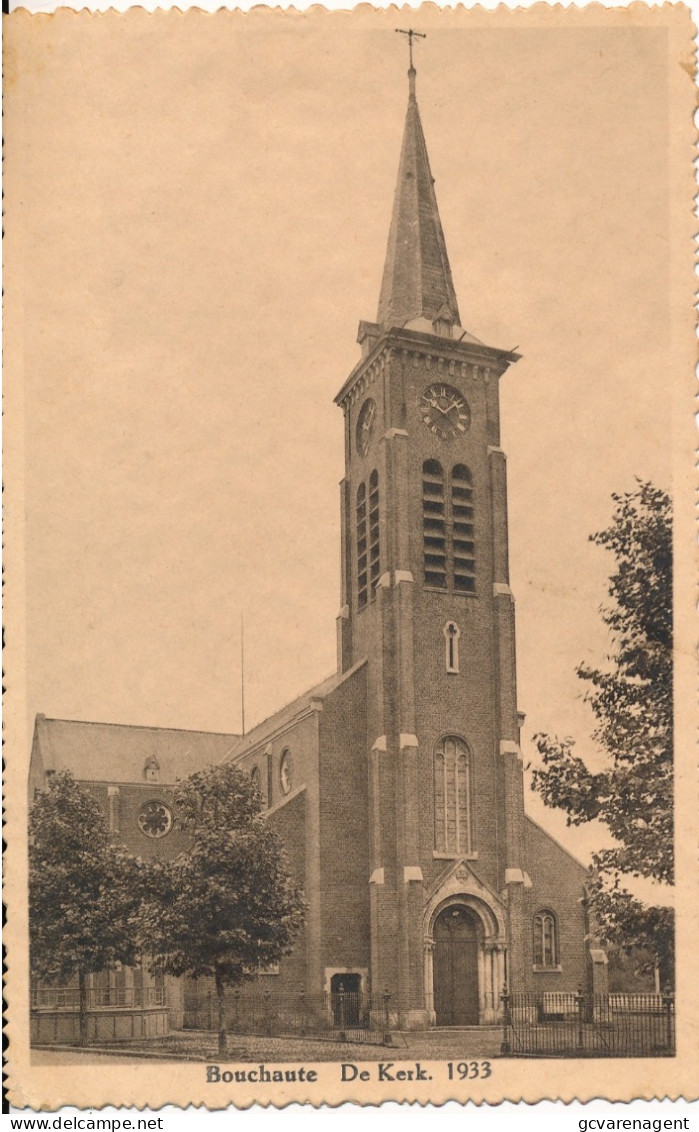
column 545, row 833
column 114, row 752
column 417, row 280
column 289, row 712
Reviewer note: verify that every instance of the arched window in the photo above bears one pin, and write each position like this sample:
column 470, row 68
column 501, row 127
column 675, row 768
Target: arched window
column 451, row 635
column 362, row 560
column 462, row 544
column 452, row 796
column 374, row 543
column 545, row 939
column 285, row 771
column 434, row 524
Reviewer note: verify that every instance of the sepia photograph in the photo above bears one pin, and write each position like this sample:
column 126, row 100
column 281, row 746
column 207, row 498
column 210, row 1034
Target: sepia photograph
column 372, row 791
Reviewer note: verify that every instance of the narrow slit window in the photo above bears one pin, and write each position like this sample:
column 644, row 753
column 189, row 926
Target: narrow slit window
column 374, row 537
column 451, row 635
column 463, row 551
column 434, row 527
column 362, row 548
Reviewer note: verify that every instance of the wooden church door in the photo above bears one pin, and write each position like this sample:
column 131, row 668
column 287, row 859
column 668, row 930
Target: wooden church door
column 456, row 968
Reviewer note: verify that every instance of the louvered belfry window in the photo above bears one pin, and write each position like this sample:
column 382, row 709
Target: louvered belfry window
column 368, row 540
column 434, row 526
column 452, row 796
column 447, row 528
column 362, row 548
column 463, row 546
column 374, row 539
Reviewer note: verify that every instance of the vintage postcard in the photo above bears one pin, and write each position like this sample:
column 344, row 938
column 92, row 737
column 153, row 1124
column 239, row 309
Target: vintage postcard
column 295, row 810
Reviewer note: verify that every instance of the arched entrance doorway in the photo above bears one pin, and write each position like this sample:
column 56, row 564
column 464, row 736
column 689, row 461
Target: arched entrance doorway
column 345, row 999
column 456, row 967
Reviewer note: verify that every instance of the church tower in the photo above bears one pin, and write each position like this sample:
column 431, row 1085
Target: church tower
column 426, row 600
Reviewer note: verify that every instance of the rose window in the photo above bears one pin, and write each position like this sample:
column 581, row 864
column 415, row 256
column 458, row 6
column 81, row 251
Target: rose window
column 155, row 819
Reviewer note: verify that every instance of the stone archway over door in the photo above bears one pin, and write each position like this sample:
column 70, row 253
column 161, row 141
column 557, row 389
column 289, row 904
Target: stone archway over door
column 456, row 967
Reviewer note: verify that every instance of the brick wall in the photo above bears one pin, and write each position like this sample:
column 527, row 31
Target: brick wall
column 344, row 826
column 126, row 806
column 289, row 823
column 268, row 743
column 557, row 884
column 463, row 703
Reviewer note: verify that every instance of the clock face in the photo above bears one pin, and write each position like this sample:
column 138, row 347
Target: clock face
column 365, row 425
column 444, row 410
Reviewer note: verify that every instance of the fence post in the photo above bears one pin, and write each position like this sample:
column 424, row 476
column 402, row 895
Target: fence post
column 387, row 1038
column 668, row 1004
column 505, row 1046
column 580, row 1011
column 302, row 1004
column 341, row 1010
column 267, row 999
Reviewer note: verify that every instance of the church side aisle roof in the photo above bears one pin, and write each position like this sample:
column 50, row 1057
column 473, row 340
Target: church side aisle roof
column 117, row 752
column 112, row 752
column 417, row 280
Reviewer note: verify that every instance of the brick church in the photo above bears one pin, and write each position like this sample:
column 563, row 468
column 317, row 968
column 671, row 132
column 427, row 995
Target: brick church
column 396, row 784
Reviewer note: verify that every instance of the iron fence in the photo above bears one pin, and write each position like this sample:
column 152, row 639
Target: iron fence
column 343, row 1016
column 574, row 1024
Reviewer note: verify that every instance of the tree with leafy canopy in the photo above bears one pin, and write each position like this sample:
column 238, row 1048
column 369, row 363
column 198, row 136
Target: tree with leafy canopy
column 228, row 906
column 631, row 698
column 84, row 892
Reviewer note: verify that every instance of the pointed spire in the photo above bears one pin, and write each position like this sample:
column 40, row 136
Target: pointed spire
column 417, row 279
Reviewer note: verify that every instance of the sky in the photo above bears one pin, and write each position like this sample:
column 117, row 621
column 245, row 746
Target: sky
column 203, row 224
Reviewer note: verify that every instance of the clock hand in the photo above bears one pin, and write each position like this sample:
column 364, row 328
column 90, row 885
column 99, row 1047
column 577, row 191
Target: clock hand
column 444, row 412
column 434, row 403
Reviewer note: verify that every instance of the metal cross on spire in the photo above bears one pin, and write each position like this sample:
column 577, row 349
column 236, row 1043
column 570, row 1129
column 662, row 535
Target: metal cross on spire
column 411, row 34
